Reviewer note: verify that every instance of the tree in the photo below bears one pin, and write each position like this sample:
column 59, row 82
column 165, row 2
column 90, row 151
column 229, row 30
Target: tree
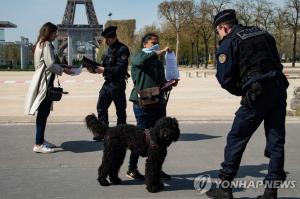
column 138, row 37
column 218, row 5
column 263, row 14
column 125, row 31
column 279, row 28
column 175, row 13
column 293, row 11
column 205, row 25
column 244, row 11
column 168, row 36
column 12, row 53
column 193, row 25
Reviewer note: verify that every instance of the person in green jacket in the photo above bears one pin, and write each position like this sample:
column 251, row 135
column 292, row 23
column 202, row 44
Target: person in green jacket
column 147, row 71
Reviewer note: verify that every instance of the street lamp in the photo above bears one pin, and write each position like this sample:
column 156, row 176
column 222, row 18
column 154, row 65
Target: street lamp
column 110, row 14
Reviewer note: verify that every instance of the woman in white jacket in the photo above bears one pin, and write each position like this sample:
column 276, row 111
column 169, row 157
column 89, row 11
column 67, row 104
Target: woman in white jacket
column 45, row 71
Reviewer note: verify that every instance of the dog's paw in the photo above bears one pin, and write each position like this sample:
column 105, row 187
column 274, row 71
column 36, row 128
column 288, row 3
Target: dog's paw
column 153, row 189
column 103, row 182
column 115, row 180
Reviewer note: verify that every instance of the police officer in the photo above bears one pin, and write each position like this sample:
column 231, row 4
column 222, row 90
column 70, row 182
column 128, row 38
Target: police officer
column 114, row 68
column 248, row 65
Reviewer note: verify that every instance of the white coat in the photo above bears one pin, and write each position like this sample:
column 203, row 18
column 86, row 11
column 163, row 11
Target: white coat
column 38, row 87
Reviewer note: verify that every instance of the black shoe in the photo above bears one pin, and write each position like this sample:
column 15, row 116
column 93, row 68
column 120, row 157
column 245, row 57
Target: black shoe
column 219, row 193
column 103, row 181
column 97, row 139
column 269, row 194
column 135, row 174
column 115, row 180
column 164, row 176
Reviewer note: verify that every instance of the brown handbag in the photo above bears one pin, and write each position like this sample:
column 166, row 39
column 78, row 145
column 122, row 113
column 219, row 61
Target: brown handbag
column 149, row 97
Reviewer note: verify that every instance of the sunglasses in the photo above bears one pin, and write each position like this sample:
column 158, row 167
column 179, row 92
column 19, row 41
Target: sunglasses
column 154, row 43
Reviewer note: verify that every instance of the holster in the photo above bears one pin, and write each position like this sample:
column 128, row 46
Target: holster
column 252, row 94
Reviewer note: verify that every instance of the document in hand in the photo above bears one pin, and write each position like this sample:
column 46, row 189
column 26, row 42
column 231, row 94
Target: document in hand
column 168, row 85
column 76, row 70
column 86, row 62
column 172, row 71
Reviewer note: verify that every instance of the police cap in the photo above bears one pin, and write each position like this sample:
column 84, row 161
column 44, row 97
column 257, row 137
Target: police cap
column 224, row 15
column 109, row 32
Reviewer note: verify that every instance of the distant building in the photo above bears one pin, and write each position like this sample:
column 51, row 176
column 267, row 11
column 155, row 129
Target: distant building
column 4, row 24
column 2, row 36
column 2, row 60
column 24, row 47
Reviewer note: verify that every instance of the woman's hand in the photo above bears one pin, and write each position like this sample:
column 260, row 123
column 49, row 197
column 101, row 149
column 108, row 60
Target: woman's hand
column 166, row 49
column 68, row 71
column 163, row 51
column 91, row 70
column 99, row 69
column 176, row 82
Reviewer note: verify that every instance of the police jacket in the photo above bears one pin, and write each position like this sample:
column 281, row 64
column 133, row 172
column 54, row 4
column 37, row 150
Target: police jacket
column 246, row 55
column 115, row 62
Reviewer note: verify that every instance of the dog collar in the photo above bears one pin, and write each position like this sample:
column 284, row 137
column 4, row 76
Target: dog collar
column 149, row 141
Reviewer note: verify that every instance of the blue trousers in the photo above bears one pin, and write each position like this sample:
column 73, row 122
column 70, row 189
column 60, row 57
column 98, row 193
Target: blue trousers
column 270, row 108
column 41, row 120
column 145, row 120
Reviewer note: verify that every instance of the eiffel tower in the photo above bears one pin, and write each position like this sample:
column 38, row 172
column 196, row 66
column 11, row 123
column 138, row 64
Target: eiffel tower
column 81, row 40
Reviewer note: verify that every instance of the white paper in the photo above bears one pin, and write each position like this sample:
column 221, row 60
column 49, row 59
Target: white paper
column 76, row 71
column 172, row 71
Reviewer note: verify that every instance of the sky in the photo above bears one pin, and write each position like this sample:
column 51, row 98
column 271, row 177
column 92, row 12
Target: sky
column 30, row 15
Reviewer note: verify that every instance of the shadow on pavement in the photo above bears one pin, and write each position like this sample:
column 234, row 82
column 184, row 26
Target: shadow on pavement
column 81, row 146
column 186, row 181
column 195, row 137
column 262, row 193
column 133, row 182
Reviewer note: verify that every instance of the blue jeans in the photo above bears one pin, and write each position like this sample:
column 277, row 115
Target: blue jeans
column 145, row 119
column 41, row 120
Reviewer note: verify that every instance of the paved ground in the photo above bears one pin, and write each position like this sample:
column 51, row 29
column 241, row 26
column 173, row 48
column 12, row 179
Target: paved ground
column 71, row 172
column 204, row 110
column 193, row 99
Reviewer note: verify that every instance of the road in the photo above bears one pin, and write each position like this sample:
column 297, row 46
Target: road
column 71, row 172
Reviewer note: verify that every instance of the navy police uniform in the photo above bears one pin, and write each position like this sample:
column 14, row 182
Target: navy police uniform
column 115, row 63
column 248, row 65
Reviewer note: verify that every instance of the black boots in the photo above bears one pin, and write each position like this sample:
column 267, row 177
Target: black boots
column 269, row 194
column 220, row 192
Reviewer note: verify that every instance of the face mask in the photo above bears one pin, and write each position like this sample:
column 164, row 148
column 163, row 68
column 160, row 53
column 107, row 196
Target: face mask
column 153, row 48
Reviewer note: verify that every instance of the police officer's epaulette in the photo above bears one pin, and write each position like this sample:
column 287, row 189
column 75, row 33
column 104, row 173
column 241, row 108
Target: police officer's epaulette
column 250, row 32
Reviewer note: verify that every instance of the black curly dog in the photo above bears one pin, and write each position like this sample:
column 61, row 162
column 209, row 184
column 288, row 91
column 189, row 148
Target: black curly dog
column 152, row 144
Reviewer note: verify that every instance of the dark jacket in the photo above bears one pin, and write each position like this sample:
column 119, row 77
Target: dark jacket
column 147, row 71
column 247, row 55
column 115, row 62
